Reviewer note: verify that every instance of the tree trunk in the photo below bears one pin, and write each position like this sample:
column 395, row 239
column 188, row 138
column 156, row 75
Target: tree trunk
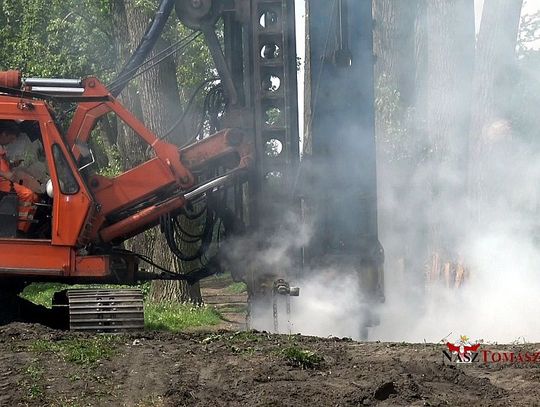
column 308, row 77
column 394, row 45
column 449, row 71
column 131, row 148
column 160, row 105
column 493, row 82
column 400, row 49
column 450, row 56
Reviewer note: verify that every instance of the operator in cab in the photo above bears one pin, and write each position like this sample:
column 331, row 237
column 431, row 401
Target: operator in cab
column 9, row 131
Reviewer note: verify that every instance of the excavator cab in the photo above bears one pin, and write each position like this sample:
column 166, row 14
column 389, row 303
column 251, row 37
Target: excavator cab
column 30, row 170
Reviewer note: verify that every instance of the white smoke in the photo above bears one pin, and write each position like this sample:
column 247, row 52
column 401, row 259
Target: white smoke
column 497, row 242
column 328, row 305
column 500, row 249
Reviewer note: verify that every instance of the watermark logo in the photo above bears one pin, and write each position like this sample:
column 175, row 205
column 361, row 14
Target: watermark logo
column 462, row 351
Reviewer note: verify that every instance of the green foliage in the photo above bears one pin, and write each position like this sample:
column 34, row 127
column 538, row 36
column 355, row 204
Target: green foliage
column 304, row 358
column 529, row 33
column 177, row 317
column 114, row 164
column 34, row 376
column 42, row 293
column 526, row 93
column 394, row 123
column 194, row 64
column 106, row 154
column 56, row 38
column 74, row 38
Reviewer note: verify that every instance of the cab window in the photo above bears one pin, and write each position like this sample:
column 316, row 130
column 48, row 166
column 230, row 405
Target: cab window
column 68, row 184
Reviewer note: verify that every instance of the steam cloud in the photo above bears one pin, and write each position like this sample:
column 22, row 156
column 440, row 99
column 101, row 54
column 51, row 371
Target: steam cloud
column 501, row 293
column 501, row 251
column 496, row 237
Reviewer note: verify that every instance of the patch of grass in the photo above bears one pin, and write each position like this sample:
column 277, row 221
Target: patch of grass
column 233, row 309
column 237, row 288
column 81, row 351
column 74, row 377
column 34, row 373
column 177, row 317
column 90, row 351
column 235, row 337
column 304, row 358
column 246, row 336
column 42, row 293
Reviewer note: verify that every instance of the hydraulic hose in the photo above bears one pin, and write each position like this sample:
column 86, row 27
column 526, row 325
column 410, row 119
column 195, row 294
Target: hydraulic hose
column 148, row 41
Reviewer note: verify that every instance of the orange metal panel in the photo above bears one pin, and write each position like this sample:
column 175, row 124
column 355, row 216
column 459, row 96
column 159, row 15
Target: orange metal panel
column 131, row 186
column 10, row 79
column 40, row 258
column 91, row 266
column 142, row 220
column 34, row 256
column 22, row 109
column 220, row 145
column 70, row 212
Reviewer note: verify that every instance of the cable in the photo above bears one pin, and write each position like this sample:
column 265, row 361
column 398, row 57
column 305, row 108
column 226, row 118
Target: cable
column 178, row 228
column 214, row 105
column 190, row 277
column 187, row 109
column 127, row 74
column 144, row 258
column 193, row 216
column 116, row 89
column 149, row 39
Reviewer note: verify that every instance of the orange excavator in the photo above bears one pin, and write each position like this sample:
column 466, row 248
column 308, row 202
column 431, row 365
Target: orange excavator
column 84, row 216
column 248, row 177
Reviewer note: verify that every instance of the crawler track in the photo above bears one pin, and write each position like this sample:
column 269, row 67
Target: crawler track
column 105, row 310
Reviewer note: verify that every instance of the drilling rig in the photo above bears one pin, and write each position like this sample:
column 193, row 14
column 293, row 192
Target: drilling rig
column 254, row 159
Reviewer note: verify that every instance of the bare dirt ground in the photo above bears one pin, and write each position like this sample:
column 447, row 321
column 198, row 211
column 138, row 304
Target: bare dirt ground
column 42, row 367
column 232, row 306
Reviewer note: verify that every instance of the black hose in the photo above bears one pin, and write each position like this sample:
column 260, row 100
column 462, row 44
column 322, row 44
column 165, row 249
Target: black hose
column 148, row 41
column 178, row 228
column 171, row 234
column 187, row 109
column 195, row 215
column 191, row 278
